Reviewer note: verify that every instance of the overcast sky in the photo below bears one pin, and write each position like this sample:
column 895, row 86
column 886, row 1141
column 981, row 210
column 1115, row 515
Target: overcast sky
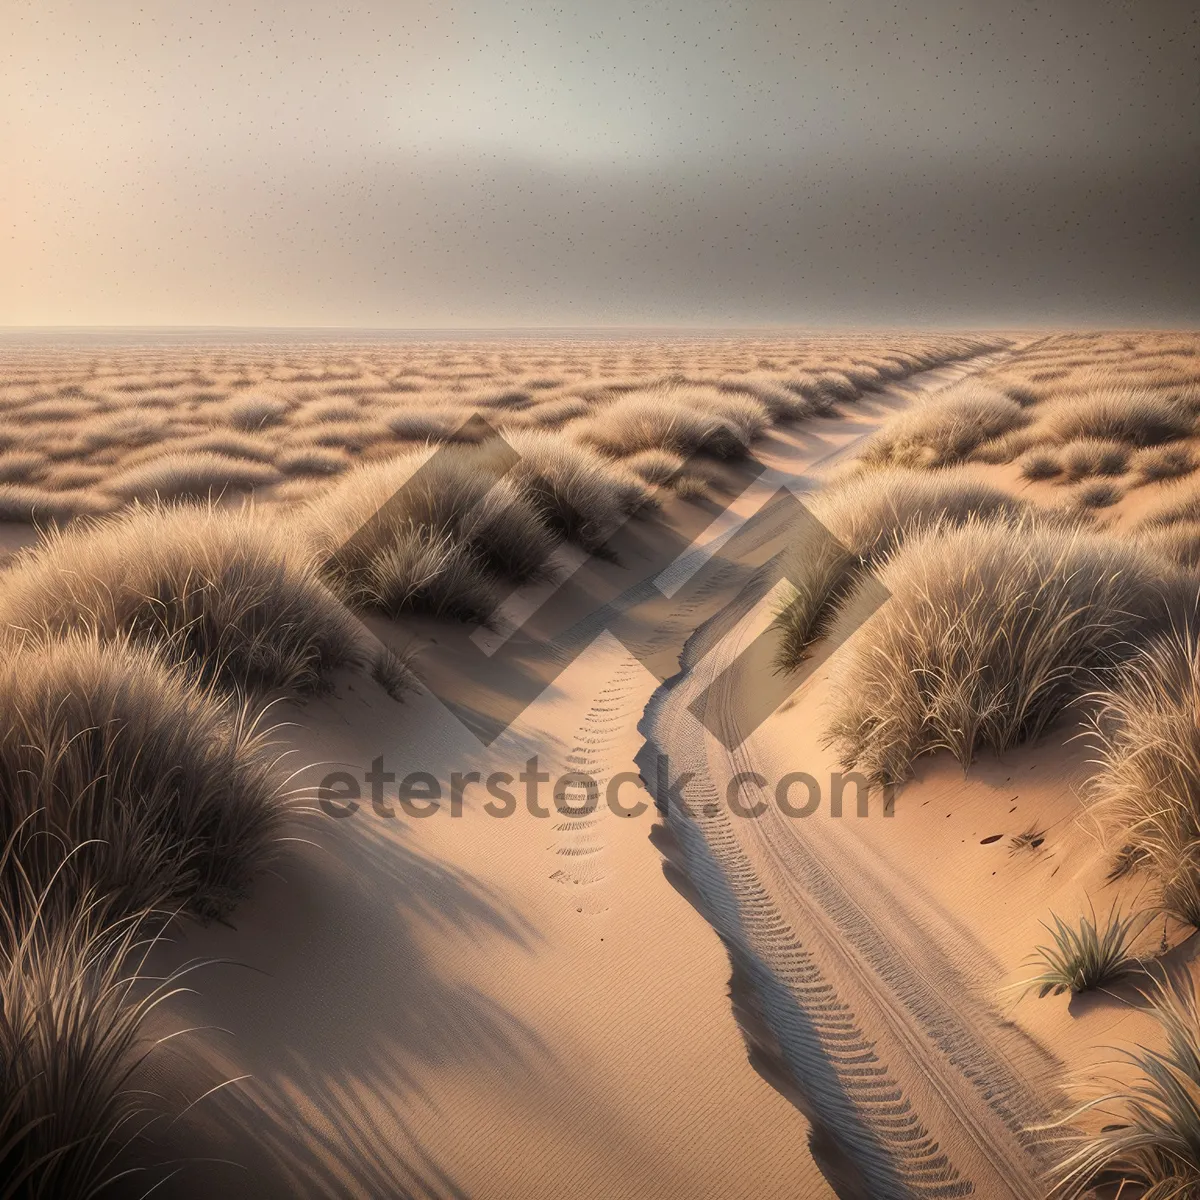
column 444, row 163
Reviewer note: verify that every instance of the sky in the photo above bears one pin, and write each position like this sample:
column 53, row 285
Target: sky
column 498, row 163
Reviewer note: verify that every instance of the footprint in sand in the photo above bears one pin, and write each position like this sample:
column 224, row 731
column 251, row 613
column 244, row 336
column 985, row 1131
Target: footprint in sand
column 579, row 840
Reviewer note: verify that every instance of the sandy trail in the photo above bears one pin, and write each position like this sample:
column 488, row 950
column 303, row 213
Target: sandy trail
column 876, row 999
column 467, row 1005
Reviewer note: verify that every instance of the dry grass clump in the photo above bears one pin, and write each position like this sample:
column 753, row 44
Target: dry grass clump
column 127, row 428
column 1179, row 506
column 1148, row 1143
column 1178, row 542
column 198, row 475
column 990, row 632
column 1041, row 464
column 783, row 399
column 659, row 467
column 73, row 477
column 41, row 506
column 72, row 1012
column 341, row 435
column 1156, row 463
column 227, row 442
column 1094, row 456
column 1147, row 786
column 160, row 792
column 1098, row 494
column 236, row 598
column 550, row 414
column 1088, row 956
column 1134, row 416
column 583, row 496
column 21, row 466
column 255, row 410
column 946, row 428
column 429, row 530
column 432, row 425
column 312, row 460
column 668, row 419
column 856, row 524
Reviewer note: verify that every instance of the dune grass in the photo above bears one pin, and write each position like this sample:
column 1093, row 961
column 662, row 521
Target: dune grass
column 1133, row 416
column 200, row 475
column 655, row 466
column 229, row 593
column 427, row 531
column 1087, row 957
column 74, row 1000
column 665, row 420
column 857, row 524
column 1178, row 506
column 944, row 429
column 1178, row 542
column 162, row 793
column 991, row 631
column 42, row 506
column 312, row 460
column 1099, row 493
column 1094, row 456
column 580, row 494
column 1147, row 785
column 1148, row 1141
column 21, row 466
column 1156, row 463
column 1041, row 463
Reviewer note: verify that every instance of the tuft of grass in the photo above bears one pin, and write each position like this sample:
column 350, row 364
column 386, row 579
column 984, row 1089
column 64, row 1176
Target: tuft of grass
column 340, row 435
column 1031, row 839
column 312, row 460
column 664, row 419
column 550, row 414
column 22, row 466
column 992, row 629
column 430, row 530
column 580, row 494
column 231, row 595
column 1094, row 456
column 1148, row 1143
column 1147, row 786
column 161, row 793
column 431, row 424
column 1098, row 494
column 944, row 429
column 1041, row 463
column 857, row 524
column 393, row 672
column 253, row 410
column 1182, row 506
column 1088, row 957
column 690, row 487
column 198, row 475
column 36, row 505
column 74, row 1000
column 1179, row 543
column 783, row 399
column 1134, row 416
column 1156, row 463
column 655, row 466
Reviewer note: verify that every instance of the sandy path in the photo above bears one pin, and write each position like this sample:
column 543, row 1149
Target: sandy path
column 516, row 1007
column 875, row 997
